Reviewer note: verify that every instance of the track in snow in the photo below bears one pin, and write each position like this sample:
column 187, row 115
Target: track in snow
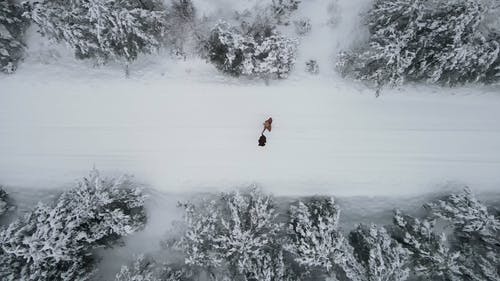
column 327, row 137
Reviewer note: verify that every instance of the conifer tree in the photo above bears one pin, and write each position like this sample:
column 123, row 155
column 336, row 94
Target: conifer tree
column 235, row 236
column 55, row 242
column 283, row 9
column 102, row 29
column 381, row 256
column 259, row 53
column 476, row 234
column 181, row 27
column 4, row 204
column 317, row 243
column 12, row 27
column 433, row 41
column 146, row 268
column 431, row 258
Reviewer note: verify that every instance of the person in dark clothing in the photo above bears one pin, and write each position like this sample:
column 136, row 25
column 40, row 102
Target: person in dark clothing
column 262, row 140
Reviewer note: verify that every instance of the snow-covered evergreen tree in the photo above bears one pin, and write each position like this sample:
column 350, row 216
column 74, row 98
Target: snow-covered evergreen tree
column 392, row 25
column 431, row 258
column 437, row 41
column 146, row 268
column 476, row 234
column 235, row 236
column 316, row 242
column 102, row 29
column 143, row 269
column 12, row 27
column 381, row 256
column 466, row 54
column 55, row 242
column 180, row 31
column 263, row 54
column 274, row 56
column 4, row 205
column 283, row 9
column 184, row 9
column 312, row 66
column 302, row 26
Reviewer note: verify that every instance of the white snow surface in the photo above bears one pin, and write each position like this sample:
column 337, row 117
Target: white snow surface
column 182, row 126
column 192, row 129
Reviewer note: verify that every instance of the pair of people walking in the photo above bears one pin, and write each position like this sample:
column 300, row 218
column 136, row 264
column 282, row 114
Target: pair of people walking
column 267, row 126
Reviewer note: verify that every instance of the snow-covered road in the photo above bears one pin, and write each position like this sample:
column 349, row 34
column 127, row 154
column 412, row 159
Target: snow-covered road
column 328, row 137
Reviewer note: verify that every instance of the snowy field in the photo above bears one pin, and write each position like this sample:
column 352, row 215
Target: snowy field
column 184, row 129
column 181, row 125
column 191, row 129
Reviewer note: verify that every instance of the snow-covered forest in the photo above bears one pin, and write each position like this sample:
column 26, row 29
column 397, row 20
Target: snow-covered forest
column 248, row 235
column 382, row 163
column 432, row 41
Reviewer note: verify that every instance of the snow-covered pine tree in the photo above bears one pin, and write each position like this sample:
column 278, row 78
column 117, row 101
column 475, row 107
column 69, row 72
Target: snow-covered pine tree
column 184, row 9
column 33, row 249
column 180, row 29
column 143, row 269
column 12, row 27
column 381, row 256
column 283, row 9
column 4, row 205
column 146, row 268
column 274, row 56
column 259, row 54
column 102, row 29
column 312, row 66
column 437, row 41
column 465, row 53
column 490, row 28
column 316, row 242
column 302, row 26
column 55, row 242
column 476, row 234
column 431, row 258
column 228, row 50
column 492, row 15
column 393, row 25
column 235, row 236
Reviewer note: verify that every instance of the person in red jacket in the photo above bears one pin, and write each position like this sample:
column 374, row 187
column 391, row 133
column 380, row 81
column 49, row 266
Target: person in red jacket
column 268, row 125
